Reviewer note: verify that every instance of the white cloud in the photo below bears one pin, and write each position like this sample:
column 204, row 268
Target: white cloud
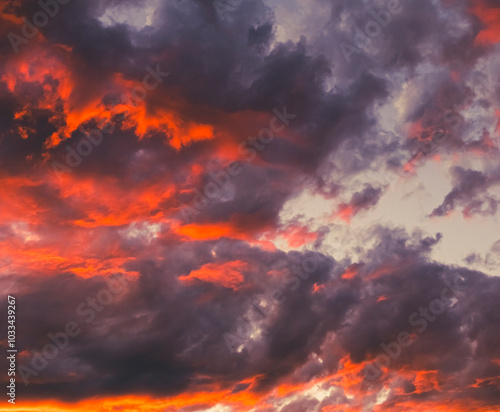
column 138, row 17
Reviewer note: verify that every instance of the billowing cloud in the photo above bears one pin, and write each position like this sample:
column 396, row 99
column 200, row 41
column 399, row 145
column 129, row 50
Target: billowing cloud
column 175, row 179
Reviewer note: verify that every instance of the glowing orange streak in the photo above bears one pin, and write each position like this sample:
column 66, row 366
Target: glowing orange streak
column 228, row 274
column 46, row 260
column 181, row 133
column 352, row 271
column 105, row 203
column 242, row 401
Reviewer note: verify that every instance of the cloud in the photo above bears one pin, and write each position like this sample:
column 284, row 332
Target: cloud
column 363, row 200
column 121, row 208
column 470, row 192
column 181, row 324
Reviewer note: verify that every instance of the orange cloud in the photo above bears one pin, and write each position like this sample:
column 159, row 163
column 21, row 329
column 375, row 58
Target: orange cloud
column 345, row 212
column 490, row 16
column 352, row 271
column 298, row 236
column 227, row 274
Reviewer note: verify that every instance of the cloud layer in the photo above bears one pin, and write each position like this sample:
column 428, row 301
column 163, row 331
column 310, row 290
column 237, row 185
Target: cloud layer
column 206, row 154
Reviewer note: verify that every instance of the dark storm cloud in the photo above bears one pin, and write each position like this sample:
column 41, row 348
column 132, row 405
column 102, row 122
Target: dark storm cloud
column 164, row 335
column 159, row 335
column 365, row 199
column 470, row 192
column 159, row 306
column 423, row 32
column 405, row 29
column 238, row 72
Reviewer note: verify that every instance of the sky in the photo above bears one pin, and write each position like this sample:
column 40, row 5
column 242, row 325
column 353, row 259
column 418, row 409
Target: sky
column 250, row 205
